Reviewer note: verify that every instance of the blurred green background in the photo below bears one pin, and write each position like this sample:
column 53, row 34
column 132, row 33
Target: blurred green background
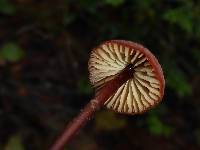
column 44, row 49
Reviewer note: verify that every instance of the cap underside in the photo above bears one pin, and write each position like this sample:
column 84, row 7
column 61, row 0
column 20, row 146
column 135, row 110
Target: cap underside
column 139, row 93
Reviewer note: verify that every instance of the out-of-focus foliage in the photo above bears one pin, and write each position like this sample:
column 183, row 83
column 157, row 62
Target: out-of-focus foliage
column 186, row 16
column 84, row 86
column 6, row 7
column 182, row 17
column 114, row 2
column 11, row 52
column 14, row 143
column 109, row 121
column 156, row 127
column 176, row 80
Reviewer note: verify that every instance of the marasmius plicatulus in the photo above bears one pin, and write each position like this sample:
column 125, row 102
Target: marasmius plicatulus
column 127, row 79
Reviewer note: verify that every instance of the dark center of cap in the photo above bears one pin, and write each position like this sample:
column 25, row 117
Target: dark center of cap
column 130, row 67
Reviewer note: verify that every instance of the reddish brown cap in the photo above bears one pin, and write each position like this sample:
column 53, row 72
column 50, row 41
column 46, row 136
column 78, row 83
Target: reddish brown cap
column 140, row 93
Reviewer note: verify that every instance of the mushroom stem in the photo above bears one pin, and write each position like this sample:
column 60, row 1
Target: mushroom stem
column 86, row 114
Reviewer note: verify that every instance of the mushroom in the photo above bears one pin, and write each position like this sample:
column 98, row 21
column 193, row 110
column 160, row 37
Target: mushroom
column 142, row 91
column 127, row 79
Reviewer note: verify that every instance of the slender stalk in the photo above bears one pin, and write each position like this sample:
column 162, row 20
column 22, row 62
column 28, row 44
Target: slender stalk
column 86, row 114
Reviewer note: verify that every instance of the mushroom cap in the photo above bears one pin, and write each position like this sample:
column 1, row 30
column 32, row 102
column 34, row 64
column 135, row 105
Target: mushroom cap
column 140, row 93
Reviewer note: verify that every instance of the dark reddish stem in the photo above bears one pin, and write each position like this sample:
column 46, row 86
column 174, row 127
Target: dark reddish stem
column 88, row 111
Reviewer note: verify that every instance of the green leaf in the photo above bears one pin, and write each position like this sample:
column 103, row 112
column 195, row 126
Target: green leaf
column 182, row 17
column 108, row 121
column 147, row 4
column 6, row 7
column 84, row 86
column 167, row 130
column 114, row 3
column 156, row 127
column 177, row 81
column 11, row 52
column 14, row 143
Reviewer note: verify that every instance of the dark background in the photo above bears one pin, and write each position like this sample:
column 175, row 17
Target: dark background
column 44, row 49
